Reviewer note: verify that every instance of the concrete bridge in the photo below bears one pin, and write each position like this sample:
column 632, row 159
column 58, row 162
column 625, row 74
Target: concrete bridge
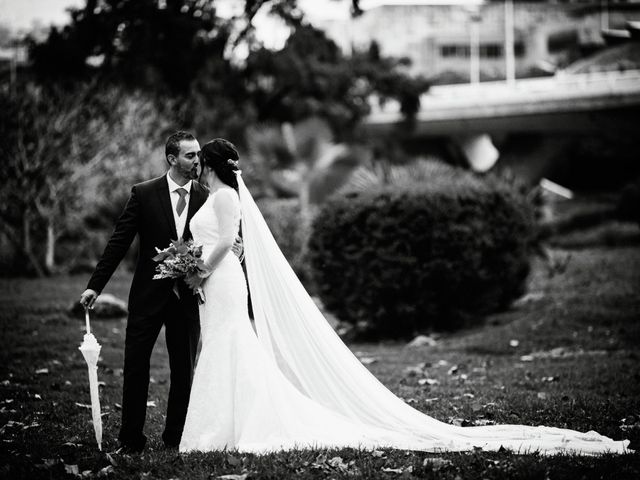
column 571, row 103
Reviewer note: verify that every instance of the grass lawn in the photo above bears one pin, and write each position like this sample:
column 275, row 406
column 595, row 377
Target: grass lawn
column 566, row 356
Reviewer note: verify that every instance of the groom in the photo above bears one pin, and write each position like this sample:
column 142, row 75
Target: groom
column 157, row 211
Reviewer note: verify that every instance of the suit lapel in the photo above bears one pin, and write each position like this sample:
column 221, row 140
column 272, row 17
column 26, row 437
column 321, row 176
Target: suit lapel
column 165, row 201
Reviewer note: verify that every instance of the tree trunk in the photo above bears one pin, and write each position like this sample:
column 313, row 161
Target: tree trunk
column 26, row 232
column 305, row 214
column 49, row 259
column 23, row 243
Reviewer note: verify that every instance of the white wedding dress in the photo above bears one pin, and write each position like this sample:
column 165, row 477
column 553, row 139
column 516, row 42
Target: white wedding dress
column 295, row 384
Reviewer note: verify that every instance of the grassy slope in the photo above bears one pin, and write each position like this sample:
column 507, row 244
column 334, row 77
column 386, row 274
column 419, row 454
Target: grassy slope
column 592, row 311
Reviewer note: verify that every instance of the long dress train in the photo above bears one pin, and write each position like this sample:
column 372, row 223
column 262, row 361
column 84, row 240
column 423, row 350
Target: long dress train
column 295, row 384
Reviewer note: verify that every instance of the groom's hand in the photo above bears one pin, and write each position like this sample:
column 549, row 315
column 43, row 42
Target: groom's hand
column 238, row 248
column 88, row 298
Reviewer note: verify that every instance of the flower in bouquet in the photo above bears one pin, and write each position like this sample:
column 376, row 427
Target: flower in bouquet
column 180, row 260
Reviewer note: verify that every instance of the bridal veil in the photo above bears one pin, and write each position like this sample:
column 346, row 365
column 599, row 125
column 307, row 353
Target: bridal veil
column 315, row 360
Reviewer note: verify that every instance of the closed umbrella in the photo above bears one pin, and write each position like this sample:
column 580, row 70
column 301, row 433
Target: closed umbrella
column 90, row 349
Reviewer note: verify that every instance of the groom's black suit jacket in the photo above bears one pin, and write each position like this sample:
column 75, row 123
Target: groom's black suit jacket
column 149, row 214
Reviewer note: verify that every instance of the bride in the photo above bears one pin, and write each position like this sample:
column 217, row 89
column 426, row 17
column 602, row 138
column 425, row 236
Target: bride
column 293, row 383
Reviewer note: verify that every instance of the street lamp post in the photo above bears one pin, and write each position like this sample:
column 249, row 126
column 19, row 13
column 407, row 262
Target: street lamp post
column 509, row 50
column 474, row 45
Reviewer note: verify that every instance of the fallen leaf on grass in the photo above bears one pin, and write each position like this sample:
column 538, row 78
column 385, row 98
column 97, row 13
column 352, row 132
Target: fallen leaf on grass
column 514, row 343
column 368, row 360
column 482, row 422
column 452, row 370
column 106, row 471
column 428, row 381
column 543, row 395
column 9, row 424
column 42, row 371
column 392, row 470
column 83, row 405
column 151, row 403
column 72, row 469
column 338, row 462
column 398, row 470
column 232, row 476
column 37, row 396
column 378, row 453
column 549, row 379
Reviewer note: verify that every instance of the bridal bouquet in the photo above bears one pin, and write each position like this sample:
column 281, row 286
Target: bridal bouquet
column 180, row 260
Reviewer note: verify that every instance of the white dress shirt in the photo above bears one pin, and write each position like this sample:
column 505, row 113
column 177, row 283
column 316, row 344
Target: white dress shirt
column 181, row 220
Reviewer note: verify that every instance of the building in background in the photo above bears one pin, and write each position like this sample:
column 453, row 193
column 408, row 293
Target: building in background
column 443, row 39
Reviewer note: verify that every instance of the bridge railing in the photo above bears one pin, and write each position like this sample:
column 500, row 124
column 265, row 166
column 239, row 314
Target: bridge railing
column 584, row 81
column 562, row 86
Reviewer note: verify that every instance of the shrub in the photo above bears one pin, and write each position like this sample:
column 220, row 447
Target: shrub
column 424, row 256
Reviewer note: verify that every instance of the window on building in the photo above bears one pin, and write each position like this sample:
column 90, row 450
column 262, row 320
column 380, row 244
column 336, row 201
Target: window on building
column 487, row 50
column 491, row 50
column 454, row 51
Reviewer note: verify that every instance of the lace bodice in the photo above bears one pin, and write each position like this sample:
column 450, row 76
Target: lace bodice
column 218, row 217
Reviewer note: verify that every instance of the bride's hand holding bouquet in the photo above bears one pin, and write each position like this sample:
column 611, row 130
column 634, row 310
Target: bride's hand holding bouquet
column 182, row 260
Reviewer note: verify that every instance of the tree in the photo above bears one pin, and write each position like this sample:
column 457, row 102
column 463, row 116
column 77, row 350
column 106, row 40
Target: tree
column 57, row 142
column 48, row 133
column 310, row 77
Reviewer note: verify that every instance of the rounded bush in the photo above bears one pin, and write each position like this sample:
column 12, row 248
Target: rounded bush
column 422, row 257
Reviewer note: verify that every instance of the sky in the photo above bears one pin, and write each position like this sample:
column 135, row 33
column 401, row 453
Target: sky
column 20, row 14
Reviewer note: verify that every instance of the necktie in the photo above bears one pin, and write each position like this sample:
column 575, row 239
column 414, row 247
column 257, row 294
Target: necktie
column 181, row 201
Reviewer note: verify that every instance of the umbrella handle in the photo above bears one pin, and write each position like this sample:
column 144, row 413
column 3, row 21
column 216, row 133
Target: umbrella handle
column 86, row 319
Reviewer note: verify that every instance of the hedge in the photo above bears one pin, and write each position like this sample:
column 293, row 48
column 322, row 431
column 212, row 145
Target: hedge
column 423, row 257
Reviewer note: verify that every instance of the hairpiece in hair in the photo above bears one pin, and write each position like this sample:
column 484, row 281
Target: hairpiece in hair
column 233, row 162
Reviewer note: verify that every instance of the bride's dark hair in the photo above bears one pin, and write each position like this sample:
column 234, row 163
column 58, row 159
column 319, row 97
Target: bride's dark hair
column 221, row 156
